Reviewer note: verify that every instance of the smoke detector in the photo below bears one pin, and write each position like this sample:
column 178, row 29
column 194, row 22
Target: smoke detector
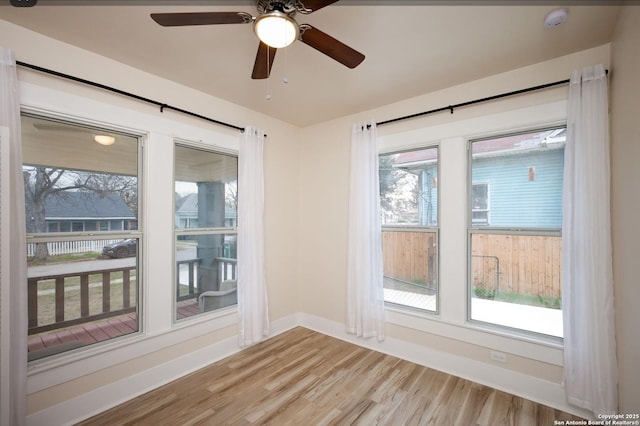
column 555, row 17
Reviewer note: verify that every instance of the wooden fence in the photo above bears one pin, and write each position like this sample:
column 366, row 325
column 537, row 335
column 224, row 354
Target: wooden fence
column 519, row 264
column 526, row 265
column 410, row 256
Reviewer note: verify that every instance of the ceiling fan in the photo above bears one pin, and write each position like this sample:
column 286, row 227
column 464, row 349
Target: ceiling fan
column 276, row 27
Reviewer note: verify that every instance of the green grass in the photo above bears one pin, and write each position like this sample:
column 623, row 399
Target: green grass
column 183, row 289
column 64, row 258
column 47, row 302
column 521, row 299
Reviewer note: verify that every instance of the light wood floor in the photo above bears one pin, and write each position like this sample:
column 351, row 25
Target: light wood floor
column 302, row 377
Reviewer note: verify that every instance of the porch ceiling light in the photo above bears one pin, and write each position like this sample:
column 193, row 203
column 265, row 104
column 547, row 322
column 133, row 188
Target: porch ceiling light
column 104, row 139
column 276, row 29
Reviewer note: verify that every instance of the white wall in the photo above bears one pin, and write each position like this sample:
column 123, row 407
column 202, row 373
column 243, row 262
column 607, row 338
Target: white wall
column 625, row 174
column 444, row 341
column 61, row 390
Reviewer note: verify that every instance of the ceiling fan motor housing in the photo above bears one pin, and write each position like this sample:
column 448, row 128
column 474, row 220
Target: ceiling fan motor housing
column 285, row 6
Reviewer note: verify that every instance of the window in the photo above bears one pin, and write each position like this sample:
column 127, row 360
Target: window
column 480, row 203
column 409, row 208
column 206, row 201
column 515, row 253
column 83, row 283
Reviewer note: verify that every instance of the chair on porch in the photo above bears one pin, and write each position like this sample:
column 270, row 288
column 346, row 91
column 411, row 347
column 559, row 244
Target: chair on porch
column 215, row 299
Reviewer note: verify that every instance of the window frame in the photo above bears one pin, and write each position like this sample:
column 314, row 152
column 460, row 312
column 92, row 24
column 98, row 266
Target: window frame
column 452, row 134
column 48, row 237
column 197, row 231
column 156, row 134
column 419, row 228
column 489, row 229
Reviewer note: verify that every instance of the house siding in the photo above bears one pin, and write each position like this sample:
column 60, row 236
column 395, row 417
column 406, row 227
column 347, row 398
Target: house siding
column 429, row 196
column 514, row 200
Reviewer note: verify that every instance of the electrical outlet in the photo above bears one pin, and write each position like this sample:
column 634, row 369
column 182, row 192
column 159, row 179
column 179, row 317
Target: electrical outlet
column 498, row 356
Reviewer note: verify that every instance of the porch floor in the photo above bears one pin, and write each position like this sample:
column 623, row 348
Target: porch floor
column 56, row 341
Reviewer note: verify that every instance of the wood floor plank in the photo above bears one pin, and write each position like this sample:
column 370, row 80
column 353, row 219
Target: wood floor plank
column 302, row 377
column 418, row 398
column 475, row 401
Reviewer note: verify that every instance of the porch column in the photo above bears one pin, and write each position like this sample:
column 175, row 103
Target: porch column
column 210, row 214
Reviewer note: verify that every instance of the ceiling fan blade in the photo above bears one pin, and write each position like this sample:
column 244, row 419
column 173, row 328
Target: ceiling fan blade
column 309, row 6
column 201, row 18
column 330, row 46
column 264, row 61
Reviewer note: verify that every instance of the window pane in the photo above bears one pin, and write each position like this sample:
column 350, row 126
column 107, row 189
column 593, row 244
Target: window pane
column 75, row 185
column 409, row 187
column 207, row 199
column 517, row 180
column 206, row 273
column 516, row 281
column 516, row 186
column 206, row 189
column 79, row 296
column 410, row 268
column 409, row 199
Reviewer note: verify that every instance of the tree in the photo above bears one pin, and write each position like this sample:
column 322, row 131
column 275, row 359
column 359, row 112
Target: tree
column 40, row 183
column 387, row 180
column 231, row 194
column 398, row 190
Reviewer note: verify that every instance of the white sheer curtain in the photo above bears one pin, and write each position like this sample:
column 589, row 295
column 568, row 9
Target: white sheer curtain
column 13, row 289
column 252, row 283
column 365, row 292
column 590, row 367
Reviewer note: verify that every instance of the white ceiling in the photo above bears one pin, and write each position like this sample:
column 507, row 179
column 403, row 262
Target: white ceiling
column 411, row 48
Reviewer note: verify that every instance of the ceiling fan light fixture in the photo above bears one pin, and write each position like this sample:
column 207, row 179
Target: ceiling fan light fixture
column 104, row 139
column 276, row 29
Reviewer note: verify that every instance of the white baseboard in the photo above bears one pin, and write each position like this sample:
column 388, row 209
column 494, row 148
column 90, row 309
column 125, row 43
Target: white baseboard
column 79, row 408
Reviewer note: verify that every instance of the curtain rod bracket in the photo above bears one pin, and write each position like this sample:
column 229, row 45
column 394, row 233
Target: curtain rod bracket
column 242, row 131
column 451, row 109
column 162, row 107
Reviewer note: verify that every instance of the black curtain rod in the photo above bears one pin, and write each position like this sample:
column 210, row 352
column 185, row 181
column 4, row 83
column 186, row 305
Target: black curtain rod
column 477, row 101
column 162, row 106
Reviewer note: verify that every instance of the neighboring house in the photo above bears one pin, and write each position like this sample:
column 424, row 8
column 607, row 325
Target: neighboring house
column 187, row 213
column 508, row 174
column 186, row 216
column 88, row 211
column 424, row 165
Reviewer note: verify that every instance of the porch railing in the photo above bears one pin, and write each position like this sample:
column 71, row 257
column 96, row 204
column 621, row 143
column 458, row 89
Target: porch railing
column 59, row 296
column 192, row 271
column 227, row 267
